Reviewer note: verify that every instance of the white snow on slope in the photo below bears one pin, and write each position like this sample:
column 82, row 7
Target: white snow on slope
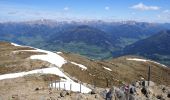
column 15, row 44
column 107, row 68
column 80, row 65
column 137, row 59
column 144, row 60
column 59, row 53
column 57, row 60
column 51, row 70
column 50, row 57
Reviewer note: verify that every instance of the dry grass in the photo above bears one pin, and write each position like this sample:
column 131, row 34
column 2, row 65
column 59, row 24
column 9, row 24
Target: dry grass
column 122, row 70
column 12, row 60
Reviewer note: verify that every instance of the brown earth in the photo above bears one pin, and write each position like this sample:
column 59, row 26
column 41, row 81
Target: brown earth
column 36, row 87
column 30, row 87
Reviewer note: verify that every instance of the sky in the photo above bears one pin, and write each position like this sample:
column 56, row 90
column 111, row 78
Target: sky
column 108, row 10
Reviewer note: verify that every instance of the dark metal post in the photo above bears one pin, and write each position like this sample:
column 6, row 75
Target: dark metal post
column 149, row 75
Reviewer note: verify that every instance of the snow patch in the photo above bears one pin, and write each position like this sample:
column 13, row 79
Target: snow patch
column 51, row 70
column 107, row 68
column 50, row 57
column 137, row 59
column 144, row 60
column 15, row 44
column 80, row 65
column 59, row 53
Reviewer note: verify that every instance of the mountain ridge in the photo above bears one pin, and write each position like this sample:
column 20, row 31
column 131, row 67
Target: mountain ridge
column 152, row 47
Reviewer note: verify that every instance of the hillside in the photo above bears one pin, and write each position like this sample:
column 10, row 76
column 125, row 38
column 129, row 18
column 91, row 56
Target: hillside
column 30, row 70
column 156, row 47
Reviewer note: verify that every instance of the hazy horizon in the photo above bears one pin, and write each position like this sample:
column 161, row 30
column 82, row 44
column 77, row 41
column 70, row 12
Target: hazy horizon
column 107, row 10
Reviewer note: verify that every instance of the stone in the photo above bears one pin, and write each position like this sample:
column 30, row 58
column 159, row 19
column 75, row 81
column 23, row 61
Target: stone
column 159, row 96
column 94, row 91
column 96, row 96
column 103, row 94
column 145, row 91
column 36, row 89
column 163, row 89
column 168, row 95
column 63, row 93
column 15, row 97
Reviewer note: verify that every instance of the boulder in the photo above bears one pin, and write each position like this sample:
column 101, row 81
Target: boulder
column 94, row 91
column 36, row 89
column 63, row 93
column 159, row 97
column 15, row 97
column 96, row 96
column 168, row 95
column 103, row 94
column 145, row 91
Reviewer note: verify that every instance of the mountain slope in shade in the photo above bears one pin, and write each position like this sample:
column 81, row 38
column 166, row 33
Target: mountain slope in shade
column 156, row 47
column 84, row 40
column 85, row 34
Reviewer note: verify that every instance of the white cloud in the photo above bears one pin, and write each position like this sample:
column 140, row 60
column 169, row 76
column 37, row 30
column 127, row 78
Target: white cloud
column 66, row 8
column 141, row 6
column 164, row 15
column 107, row 8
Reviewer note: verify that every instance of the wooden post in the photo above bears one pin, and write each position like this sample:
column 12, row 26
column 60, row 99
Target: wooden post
column 55, row 85
column 149, row 75
column 51, row 82
column 49, row 85
column 64, row 86
column 59, row 85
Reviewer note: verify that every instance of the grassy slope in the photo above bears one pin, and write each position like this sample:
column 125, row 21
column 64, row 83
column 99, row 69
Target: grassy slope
column 122, row 70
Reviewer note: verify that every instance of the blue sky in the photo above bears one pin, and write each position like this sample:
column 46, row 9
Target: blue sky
column 139, row 10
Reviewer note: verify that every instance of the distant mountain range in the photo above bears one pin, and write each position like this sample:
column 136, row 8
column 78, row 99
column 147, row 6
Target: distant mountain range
column 94, row 39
